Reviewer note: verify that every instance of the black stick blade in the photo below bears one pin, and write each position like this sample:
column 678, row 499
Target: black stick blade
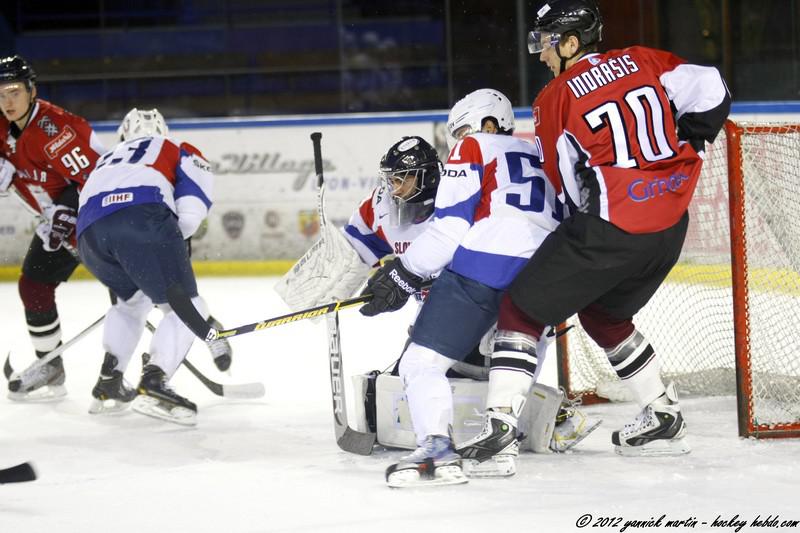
column 17, row 474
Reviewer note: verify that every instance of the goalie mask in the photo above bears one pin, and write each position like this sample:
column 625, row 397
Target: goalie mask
column 142, row 123
column 410, row 172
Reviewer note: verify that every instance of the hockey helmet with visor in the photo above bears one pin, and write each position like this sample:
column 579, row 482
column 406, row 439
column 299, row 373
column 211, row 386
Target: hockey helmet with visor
column 411, row 172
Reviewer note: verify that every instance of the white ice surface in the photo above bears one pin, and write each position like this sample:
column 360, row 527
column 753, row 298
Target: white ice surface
column 273, row 465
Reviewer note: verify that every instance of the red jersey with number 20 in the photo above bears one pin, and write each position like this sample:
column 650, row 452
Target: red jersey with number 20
column 609, row 136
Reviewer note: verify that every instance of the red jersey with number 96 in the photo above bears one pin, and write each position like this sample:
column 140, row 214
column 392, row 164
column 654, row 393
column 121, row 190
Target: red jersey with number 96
column 614, row 131
column 54, row 150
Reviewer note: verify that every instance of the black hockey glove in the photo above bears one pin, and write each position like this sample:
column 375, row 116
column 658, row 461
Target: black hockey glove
column 390, row 287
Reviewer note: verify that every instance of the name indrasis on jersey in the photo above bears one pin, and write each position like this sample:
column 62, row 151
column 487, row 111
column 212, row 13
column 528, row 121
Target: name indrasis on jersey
column 601, row 75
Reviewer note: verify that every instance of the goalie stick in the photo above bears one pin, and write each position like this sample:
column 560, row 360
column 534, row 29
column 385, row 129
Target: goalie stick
column 17, row 474
column 348, row 439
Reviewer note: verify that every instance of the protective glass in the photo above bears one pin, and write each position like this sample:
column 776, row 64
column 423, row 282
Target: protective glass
column 538, row 41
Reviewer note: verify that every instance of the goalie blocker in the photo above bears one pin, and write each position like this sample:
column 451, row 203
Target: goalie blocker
column 384, row 410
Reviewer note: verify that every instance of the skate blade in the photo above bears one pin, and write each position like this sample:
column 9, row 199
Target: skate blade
column 497, row 466
column 656, row 448
column 46, row 394
column 108, row 407
column 153, row 407
column 560, row 445
column 443, row 475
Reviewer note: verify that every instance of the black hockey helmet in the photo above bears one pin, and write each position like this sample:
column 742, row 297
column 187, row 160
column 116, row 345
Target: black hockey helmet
column 15, row 68
column 411, row 158
column 557, row 17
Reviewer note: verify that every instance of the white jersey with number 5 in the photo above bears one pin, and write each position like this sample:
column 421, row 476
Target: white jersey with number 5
column 494, row 207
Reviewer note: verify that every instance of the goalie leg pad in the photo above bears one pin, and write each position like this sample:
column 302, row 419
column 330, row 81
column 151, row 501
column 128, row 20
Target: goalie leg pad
column 544, row 404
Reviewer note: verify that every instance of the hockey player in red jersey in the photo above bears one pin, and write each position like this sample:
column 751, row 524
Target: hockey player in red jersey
column 46, row 154
column 622, row 136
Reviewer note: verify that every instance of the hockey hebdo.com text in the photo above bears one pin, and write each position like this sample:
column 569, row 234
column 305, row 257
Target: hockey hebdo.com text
column 733, row 523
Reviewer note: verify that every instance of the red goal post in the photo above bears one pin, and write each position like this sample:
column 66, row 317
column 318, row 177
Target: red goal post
column 727, row 319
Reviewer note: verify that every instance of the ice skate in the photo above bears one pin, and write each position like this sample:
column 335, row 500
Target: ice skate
column 434, row 463
column 493, row 452
column 658, row 430
column 572, row 426
column 112, row 394
column 220, row 349
column 41, row 384
column 158, row 400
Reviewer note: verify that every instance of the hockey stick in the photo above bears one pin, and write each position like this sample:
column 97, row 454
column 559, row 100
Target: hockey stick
column 33, row 368
column 184, row 308
column 17, row 474
column 242, row 391
column 348, row 439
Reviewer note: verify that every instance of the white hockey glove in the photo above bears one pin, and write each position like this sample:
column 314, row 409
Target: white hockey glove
column 7, row 172
column 59, row 229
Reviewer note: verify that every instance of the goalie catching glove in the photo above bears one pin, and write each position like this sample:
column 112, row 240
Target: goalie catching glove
column 391, row 286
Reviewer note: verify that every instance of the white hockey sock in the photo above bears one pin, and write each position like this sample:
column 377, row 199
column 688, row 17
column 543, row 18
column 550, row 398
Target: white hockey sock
column 514, row 367
column 506, row 383
column 123, row 327
column 172, row 340
column 639, row 368
column 430, row 399
column 47, row 337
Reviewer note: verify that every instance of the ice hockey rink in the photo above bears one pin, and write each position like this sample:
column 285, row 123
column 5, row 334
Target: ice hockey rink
column 273, row 465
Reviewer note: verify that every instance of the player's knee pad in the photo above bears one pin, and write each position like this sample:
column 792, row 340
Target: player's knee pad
column 418, row 360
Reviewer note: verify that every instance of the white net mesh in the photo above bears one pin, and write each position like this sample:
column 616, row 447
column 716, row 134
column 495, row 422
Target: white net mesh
column 690, row 320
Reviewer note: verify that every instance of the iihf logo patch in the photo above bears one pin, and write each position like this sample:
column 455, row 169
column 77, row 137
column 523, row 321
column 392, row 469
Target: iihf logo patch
column 594, row 60
column 47, row 126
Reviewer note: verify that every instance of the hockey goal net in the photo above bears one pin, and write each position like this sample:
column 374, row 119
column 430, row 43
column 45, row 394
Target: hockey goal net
column 727, row 319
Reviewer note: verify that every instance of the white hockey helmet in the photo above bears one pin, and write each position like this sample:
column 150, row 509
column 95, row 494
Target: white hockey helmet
column 468, row 114
column 142, row 123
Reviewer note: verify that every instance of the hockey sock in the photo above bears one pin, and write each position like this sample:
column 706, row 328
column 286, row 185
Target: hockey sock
column 637, row 365
column 123, row 328
column 172, row 340
column 430, row 398
column 41, row 314
column 513, row 368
